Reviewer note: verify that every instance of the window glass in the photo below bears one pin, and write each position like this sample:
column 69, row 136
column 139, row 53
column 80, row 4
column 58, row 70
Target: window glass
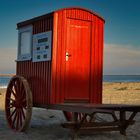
column 24, row 43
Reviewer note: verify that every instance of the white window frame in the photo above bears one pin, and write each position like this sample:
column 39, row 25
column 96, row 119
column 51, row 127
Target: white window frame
column 26, row 56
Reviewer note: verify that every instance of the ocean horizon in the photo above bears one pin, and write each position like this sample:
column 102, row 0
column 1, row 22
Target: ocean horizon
column 4, row 80
column 121, row 78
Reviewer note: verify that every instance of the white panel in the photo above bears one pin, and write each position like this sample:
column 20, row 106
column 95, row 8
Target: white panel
column 24, row 43
column 42, row 46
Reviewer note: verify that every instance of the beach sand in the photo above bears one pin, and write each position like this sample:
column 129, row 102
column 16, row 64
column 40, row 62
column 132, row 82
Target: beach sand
column 121, row 93
column 45, row 124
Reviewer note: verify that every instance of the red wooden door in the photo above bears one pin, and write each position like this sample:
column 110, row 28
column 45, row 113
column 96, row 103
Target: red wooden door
column 77, row 67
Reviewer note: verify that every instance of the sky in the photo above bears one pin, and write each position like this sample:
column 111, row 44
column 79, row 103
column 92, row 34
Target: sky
column 121, row 35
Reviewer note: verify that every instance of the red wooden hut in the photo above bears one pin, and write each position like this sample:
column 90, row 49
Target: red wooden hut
column 61, row 55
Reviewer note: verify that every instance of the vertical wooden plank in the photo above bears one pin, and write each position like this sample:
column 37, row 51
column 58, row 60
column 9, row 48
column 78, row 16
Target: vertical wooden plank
column 59, row 55
column 92, row 70
column 101, row 60
column 63, row 56
column 54, row 58
column 98, row 62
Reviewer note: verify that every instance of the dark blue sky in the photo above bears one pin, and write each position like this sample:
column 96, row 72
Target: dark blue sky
column 121, row 28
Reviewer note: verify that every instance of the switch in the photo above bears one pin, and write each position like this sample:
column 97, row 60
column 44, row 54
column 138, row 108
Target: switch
column 46, row 47
column 38, row 57
column 45, row 55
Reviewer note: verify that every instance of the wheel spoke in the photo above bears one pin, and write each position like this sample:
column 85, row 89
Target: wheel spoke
column 23, row 93
column 11, row 90
column 20, row 117
column 17, row 122
column 10, row 106
column 23, row 114
column 77, row 116
column 14, row 119
column 16, row 88
column 24, row 102
column 80, row 116
column 20, row 86
column 11, row 103
column 12, row 114
column 25, row 108
column 10, row 99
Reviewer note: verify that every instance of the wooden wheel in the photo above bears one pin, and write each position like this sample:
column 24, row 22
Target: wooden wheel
column 18, row 103
column 71, row 116
column 68, row 115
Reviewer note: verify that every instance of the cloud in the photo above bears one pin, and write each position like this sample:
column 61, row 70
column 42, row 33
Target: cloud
column 118, row 59
column 7, row 59
column 121, row 59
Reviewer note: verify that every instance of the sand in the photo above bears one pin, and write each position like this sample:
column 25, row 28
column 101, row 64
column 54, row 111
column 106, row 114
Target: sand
column 121, row 93
column 46, row 124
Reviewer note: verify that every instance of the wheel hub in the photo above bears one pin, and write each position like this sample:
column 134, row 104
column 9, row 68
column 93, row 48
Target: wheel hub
column 18, row 104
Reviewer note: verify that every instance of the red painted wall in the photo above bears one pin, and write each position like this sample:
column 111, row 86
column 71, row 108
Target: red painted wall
column 59, row 50
column 38, row 73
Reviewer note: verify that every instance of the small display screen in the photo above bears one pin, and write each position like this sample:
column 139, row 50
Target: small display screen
column 43, row 40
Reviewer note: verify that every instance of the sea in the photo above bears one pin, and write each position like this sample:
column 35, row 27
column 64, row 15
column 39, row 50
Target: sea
column 4, row 80
column 121, row 78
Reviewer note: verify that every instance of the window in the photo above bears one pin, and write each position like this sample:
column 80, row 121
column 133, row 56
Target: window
column 24, row 43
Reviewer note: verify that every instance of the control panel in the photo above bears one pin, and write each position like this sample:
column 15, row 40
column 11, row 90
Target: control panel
column 42, row 46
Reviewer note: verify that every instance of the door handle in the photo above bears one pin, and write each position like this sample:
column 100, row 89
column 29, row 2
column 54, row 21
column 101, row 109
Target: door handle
column 67, row 56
